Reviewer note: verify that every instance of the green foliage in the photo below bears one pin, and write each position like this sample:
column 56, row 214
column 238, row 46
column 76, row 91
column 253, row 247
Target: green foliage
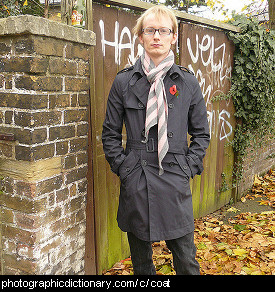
column 184, row 4
column 224, row 186
column 8, row 8
column 253, row 84
column 19, row 7
column 2, row 188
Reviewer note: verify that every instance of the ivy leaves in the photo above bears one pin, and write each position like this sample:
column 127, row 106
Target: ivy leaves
column 253, row 75
column 253, row 84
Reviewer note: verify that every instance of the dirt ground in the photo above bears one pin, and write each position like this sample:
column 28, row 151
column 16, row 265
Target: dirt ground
column 238, row 239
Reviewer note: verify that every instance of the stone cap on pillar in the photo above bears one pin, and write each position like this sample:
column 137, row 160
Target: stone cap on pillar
column 29, row 24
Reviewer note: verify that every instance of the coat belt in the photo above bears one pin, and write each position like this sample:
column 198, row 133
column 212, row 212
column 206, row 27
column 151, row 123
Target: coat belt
column 179, row 146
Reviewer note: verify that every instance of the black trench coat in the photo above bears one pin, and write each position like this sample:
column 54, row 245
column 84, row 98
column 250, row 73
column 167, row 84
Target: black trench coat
column 155, row 207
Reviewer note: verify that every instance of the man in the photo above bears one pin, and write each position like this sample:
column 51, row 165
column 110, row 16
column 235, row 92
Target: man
column 160, row 103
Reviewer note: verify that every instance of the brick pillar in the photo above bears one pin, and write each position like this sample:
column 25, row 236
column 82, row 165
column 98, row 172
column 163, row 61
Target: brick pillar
column 44, row 102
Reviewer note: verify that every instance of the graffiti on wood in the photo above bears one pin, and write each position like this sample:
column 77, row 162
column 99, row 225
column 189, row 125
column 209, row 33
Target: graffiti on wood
column 213, row 74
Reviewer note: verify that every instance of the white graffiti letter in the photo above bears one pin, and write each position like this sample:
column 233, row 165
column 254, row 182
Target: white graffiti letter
column 226, row 135
column 112, row 44
column 205, row 48
column 193, row 58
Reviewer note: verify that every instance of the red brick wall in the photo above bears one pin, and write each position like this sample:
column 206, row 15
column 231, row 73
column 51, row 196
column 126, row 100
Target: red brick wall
column 44, row 103
column 260, row 158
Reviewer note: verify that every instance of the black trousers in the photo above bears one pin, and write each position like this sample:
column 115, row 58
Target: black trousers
column 183, row 250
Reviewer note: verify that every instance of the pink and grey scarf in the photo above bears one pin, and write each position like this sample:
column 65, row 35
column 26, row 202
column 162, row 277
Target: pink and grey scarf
column 157, row 110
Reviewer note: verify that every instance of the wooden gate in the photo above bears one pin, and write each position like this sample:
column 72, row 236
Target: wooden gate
column 209, row 54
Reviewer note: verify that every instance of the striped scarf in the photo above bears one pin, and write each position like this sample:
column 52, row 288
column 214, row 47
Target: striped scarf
column 157, row 111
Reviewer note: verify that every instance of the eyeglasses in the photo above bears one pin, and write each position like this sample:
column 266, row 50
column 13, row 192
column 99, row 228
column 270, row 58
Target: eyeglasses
column 161, row 31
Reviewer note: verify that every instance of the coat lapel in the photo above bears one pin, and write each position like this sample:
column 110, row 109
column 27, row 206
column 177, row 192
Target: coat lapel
column 139, row 84
column 170, row 80
column 141, row 89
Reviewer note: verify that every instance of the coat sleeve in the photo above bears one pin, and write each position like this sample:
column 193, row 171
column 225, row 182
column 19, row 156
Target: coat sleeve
column 112, row 128
column 198, row 129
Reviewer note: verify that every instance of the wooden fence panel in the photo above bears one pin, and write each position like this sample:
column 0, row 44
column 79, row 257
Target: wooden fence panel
column 115, row 48
column 210, row 54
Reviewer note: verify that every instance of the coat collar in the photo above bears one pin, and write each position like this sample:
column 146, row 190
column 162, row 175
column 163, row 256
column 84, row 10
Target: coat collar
column 139, row 84
column 137, row 69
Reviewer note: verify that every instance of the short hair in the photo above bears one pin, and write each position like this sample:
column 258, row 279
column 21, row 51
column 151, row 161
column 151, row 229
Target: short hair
column 158, row 10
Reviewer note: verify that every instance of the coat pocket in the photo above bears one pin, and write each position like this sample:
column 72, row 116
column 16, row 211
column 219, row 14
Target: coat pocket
column 181, row 159
column 128, row 164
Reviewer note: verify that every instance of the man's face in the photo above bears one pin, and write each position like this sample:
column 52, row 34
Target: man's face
column 157, row 46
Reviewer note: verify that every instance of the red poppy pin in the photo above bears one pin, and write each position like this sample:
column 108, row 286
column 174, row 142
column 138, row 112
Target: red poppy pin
column 173, row 90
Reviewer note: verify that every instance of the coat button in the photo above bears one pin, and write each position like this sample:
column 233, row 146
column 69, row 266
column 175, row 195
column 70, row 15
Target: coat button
column 127, row 169
column 171, row 164
column 185, row 167
column 170, row 134
column 171, row 105
column 140, row 105
column 144, row 162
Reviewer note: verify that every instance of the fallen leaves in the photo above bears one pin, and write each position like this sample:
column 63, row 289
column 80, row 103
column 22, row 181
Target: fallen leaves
column 233, row 209
column 264, row 188
column 124, row 267
column 243, row 246
column 162, row 259
column 246, row 246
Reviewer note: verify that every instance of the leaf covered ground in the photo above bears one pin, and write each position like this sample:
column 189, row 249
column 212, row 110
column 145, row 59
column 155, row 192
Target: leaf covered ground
column 239, row 244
